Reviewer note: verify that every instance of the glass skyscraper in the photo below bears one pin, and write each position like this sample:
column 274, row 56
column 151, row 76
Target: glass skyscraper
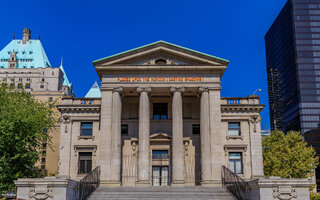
column 293, row 67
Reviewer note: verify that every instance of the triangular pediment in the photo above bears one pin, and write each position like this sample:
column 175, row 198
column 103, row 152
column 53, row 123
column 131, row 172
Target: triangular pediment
column 161, row 53
column 160, row 136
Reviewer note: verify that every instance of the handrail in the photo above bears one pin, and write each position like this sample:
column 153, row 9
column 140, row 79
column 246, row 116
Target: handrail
column 237, row 186
column 89, row 184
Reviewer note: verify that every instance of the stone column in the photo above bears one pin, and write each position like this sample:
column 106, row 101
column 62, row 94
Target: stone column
column 177, row 138
column 256, row 147
column 116, row 135
column 65, row 146
column 144, row 136
column 104, row 154
column 217, row 152
column 205, row 136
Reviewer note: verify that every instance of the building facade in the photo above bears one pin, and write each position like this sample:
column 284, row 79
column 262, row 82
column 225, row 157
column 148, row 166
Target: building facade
column 25, row 65
column 293, row 67
column 160, row 120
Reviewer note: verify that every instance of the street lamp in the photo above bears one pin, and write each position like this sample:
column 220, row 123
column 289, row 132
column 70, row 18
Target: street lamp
column 256, row 91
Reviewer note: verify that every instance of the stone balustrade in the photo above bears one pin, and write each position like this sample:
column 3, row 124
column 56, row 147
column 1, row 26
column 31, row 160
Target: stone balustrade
column 250, row 100
column 81, row 101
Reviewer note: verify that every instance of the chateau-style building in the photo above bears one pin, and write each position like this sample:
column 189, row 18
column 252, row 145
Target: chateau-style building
column 160, row 120
column 25, row 65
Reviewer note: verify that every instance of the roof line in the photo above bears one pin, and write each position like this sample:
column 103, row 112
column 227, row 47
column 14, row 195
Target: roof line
column 160, row 42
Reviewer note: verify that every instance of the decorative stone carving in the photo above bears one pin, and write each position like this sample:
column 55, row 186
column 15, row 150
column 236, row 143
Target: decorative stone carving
column 177, row 89
column 129, row 162
column 284, row 193
column 41, row 193
column 118, row 89
column 144, row 89
column 203, row 89
column 65, row 120
column 189, row 160
column 254, row 119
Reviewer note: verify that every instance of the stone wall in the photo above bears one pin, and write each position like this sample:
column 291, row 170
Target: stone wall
column 49, row 188
column 278, row 189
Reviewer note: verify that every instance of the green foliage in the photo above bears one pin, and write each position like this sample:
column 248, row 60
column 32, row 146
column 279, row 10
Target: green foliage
column 313, row 196
column 288, row 156
column 23, row 121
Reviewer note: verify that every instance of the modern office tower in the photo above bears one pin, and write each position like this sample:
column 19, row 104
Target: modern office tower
column 293, row 67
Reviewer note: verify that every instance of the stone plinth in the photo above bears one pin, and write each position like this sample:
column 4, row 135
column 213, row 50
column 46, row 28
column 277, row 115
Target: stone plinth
column 49, row 188
column 277, row 188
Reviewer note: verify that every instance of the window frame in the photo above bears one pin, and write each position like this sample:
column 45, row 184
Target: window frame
column 163, row 114
column 127, row 127
column 84, row 158
column 239, row 129
column 234, row 162
column 194, row 126
column 81, row 129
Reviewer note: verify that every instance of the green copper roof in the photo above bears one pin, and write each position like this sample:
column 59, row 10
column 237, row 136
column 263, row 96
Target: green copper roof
column 65, row 78
column 164, row 43
column 29, row 55
column 94, row 91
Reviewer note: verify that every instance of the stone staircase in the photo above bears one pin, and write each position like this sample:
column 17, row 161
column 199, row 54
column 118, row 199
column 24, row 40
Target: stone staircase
column 161, row 193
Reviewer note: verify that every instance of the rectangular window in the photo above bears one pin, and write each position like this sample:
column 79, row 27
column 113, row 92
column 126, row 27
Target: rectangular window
column 160, row 154
column 20, row 86
column 233, row 128
column 235, row 162
column 196, row 129
column 86, row 129
column 160, row 111
column 43, row 160
column 41, row 86
column 85, row 162
column 124, row 129
column 27, row 85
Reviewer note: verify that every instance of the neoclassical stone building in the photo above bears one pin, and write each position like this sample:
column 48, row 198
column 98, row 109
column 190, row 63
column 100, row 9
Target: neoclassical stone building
column 160, row 120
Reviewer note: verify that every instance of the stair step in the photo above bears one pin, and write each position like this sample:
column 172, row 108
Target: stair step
column 154, row 193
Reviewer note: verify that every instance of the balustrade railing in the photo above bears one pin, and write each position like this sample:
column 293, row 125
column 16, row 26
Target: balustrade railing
column 237, row 186
column 89, row 184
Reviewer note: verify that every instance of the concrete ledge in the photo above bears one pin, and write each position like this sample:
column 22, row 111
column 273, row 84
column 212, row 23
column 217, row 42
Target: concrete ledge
column 46, row 188
column 277, row 188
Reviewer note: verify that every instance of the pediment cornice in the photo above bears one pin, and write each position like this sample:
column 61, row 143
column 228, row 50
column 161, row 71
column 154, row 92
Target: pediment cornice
column 144, row 58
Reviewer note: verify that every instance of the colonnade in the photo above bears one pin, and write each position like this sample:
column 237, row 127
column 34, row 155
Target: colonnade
column 178, row 166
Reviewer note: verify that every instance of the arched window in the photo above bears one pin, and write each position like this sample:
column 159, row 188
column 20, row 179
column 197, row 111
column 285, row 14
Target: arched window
column 160, row 62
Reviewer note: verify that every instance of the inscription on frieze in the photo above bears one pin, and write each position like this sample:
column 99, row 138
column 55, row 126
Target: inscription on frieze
column 160, row 79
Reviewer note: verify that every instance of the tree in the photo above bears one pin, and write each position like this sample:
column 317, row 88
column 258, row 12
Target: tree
column 24, row 125
column 288, row 156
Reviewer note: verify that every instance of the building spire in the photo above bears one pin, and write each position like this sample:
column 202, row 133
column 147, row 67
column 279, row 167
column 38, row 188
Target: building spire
column 39, row 36
column 14, row 35
column 61, row 61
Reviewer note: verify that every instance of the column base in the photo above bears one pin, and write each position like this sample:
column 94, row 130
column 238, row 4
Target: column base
column 178, row 183
column 110, row 183
column 211, row 183
column 143, row 183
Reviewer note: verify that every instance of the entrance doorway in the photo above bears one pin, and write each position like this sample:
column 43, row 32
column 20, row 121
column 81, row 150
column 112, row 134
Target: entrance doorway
column 160, row 175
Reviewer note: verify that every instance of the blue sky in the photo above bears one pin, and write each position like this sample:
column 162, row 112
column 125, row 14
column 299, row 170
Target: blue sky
column 83, row 31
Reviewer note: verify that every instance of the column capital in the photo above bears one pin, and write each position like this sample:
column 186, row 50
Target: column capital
column 118, row 89
column 144, row 89
column 203, row 89
column 177, row 89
